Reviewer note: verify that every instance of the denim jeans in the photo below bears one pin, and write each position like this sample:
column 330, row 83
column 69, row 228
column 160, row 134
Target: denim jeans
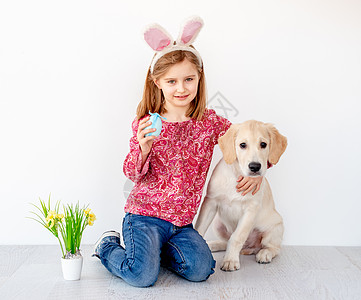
column 152, row 242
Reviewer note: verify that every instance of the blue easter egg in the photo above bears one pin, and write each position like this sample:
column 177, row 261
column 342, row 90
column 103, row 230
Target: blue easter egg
column 156, row 120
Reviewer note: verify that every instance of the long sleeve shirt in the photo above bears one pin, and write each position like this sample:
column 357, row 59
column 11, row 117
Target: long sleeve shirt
column 169, row 185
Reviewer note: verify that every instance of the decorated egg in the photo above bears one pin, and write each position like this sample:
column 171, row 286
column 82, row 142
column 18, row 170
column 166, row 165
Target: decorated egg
column 156, row 120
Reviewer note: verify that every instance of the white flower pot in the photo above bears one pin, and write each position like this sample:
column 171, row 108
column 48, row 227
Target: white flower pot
column 72, row 267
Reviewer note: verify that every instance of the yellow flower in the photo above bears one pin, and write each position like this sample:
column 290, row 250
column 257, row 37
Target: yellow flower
column 49, row 218
column 87, row 211
column 91, row 219
column 53, row 218
column 51, row 214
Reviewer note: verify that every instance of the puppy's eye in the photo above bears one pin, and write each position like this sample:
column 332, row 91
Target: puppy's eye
column 243, row 145
column 263, row 145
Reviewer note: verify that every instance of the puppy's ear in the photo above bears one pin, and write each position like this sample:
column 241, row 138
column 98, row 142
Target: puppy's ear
column 226, row 143
column 278, row 144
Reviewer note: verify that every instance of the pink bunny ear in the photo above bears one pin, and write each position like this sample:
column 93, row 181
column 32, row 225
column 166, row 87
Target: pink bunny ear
column 190, row 30
column 157, row 37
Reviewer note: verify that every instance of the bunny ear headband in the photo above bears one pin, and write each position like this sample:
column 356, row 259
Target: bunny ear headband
column 162, row 42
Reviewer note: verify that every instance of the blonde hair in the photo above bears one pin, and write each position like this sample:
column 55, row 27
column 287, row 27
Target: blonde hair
column 153, row 99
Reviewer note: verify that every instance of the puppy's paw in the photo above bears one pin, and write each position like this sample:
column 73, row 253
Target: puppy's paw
column 264, row 256
column 230, row 265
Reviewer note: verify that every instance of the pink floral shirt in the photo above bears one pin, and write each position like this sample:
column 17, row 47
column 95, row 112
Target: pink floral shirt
column 170, row 184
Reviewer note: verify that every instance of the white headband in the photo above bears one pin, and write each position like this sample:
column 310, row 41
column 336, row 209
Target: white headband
column 162, row 42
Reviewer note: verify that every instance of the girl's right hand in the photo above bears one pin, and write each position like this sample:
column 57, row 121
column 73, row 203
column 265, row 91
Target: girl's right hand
column 145, row 142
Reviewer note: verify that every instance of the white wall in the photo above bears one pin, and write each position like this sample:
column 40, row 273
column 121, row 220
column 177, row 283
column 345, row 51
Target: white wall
column 72, row 73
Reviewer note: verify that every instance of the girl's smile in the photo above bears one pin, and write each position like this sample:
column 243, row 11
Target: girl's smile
column 183, row 97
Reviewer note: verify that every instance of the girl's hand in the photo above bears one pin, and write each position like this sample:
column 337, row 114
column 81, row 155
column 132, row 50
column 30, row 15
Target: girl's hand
column 145, row 142
column 247, row 184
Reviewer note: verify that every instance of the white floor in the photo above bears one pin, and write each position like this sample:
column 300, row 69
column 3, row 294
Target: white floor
column 34, row 272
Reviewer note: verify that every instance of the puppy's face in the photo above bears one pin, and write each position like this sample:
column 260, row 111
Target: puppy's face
column 252, row 145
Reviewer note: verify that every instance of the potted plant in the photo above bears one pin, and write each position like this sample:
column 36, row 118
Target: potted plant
column 68, row 228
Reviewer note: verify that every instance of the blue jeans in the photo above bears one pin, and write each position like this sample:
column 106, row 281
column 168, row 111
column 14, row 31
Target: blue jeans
column 150, row 242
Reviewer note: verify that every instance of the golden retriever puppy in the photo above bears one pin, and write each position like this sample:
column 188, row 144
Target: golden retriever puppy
column 246, row 224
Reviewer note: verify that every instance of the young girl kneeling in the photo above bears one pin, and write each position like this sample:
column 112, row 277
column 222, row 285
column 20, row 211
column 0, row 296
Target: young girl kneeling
column 169, row 170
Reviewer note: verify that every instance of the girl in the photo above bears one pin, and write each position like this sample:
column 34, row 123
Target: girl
column 169, row 171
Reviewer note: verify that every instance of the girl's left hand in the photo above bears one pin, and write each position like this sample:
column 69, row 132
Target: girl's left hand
column 247, row 184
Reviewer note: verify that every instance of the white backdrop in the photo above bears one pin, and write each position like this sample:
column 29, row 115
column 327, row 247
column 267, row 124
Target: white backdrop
column 72, row 73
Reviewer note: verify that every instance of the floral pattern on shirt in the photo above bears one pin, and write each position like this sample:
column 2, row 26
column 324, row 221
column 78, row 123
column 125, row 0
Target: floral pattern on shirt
column 170, row 184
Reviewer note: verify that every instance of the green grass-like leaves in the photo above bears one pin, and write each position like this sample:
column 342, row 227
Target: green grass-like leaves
column 68, row 227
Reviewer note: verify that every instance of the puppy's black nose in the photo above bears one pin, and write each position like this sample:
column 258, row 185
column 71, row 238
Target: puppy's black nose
column 254, row 166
